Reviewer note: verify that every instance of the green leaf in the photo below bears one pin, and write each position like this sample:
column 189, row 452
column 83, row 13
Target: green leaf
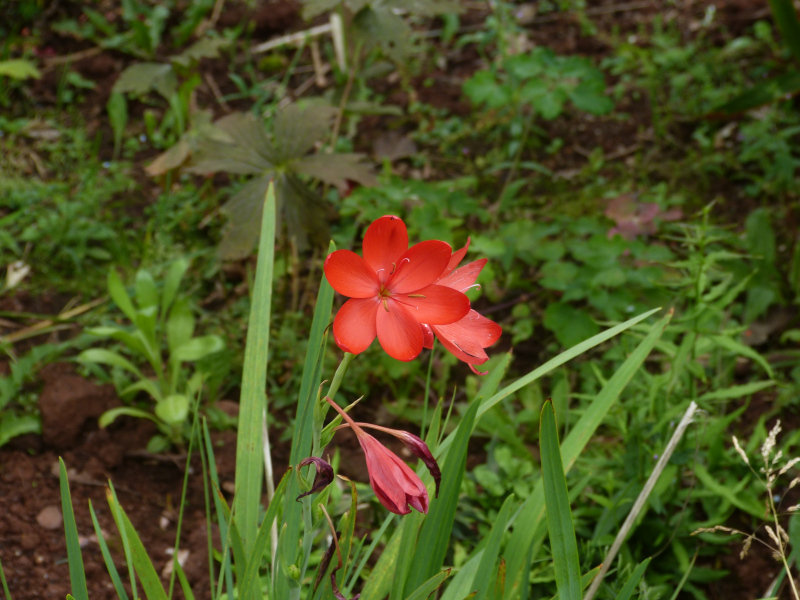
column 426, row 589
column 140, row 78
column 484, row 577
column 106, row 357
column 107, row 558
column 19, row 68
column 117, row 108
column 337, row 169
column 197, row 348
column 761, row 93
column 180, row 325
column 143, row 385
column 77, row 577
column 633, row 581
column 116, row 289
column 563, row 545
column 151, row 583
column 203, row 48
column 570, row 325
column 12, row 426
column 786, row 18
column 108, row 417
column 253, row 400
column 738, row 348
column 298, row 129
column 530, row 517
column 434, row 538
column 172, row 283
column 173, row 410
column 134, row 342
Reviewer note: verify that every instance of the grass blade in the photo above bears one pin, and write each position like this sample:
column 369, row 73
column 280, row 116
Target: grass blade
column 430, row 586
column 486, row 572
column 253, row 401
column 5, row 585
column 527, row 524
column 633, row 581
column 559, row 515
column 434, row 538
column 112, row 569
column 77, row 577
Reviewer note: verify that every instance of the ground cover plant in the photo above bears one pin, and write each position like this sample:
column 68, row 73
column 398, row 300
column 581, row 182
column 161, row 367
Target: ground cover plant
column 401, row 300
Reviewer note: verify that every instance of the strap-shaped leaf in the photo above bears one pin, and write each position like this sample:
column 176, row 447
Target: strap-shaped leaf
column 563, row 545
column 77, row 577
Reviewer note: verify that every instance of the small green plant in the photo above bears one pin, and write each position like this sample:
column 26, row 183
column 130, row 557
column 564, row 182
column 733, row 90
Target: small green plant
column 159, row 318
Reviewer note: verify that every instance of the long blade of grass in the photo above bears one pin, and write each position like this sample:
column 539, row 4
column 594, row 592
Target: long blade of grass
column 221, row 521
column 5, row 585
column 250, row 578
column 551, row 365
column 110, row 566
column 188, row 594
column 126, row 546
column 77, row 577
column 434, row 538
column 430, row 586
column 786, row 18
column 563, row 545
column 643, row 496
column 312, row 377
column 253, row 400
column 633, row 580
column 486, row 573
column 528, row 520
column 374, row 544
column 151, row 583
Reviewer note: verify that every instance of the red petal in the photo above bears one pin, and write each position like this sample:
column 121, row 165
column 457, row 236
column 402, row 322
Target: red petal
column 384, row 243
column 420, row 266
column 350, row 275
column 464, row 278
column 427, row 336
column 391, row 479
column 436, row 305
column 467, row 338
column 354, row 325
column 399, row 332
column 456, row 259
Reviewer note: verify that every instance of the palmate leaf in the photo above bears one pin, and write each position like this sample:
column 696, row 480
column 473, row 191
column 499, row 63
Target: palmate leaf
column 240, row 144
column 141, row 78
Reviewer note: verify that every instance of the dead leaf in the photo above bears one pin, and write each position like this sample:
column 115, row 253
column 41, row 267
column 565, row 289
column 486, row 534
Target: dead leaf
column 637, row 218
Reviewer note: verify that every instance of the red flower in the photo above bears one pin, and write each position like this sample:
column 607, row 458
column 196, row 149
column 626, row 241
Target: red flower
column 392, row 291
column 394, row 483
column 466, row 338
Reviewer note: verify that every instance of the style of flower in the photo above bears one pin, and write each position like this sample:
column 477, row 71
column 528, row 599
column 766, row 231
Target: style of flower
column 393, row 290
column 467, row 337
column 396, row 486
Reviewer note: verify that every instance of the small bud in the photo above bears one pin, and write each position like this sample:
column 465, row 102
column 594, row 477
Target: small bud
column 294, row 572
column 420, row 449
column 323, row 477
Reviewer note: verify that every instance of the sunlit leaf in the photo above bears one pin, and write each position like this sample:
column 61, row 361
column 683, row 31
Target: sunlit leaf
column 19, row 69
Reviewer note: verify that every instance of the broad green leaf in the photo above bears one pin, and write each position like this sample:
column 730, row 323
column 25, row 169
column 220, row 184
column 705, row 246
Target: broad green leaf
column 143, row 385
column 172, row 283
column 298, row 129
column 563, row 544
column 180, row 325
column 19, row 68
column 173, row 409
column 108, row 417
column 434, row 538
column 527, row 525
column 140, row 78
column 337, row 169
column 120, row 297
column 146, row 289
column 426, row 589
column 197, row 348
column 77, row 576
column 253, row 399
column 12, row 425
column 106, row 357
column 134, row 342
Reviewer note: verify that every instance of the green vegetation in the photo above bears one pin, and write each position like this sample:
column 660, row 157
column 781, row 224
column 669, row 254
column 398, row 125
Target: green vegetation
column 633, row 190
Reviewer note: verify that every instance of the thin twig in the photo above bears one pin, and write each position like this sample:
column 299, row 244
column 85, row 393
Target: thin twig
column 639, row 504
